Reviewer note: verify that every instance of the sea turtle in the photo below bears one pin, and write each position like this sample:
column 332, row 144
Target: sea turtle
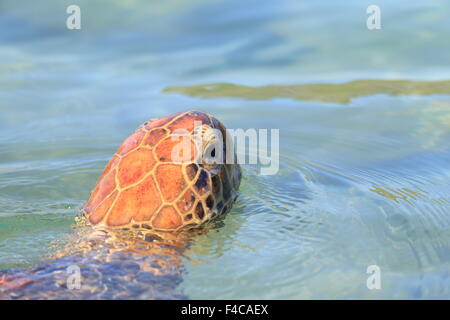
column 166, row 180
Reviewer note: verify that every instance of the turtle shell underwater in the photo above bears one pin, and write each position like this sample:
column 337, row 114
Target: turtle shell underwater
column 166, row 180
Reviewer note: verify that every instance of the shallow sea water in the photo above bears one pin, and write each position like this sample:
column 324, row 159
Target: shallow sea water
column 362, row 183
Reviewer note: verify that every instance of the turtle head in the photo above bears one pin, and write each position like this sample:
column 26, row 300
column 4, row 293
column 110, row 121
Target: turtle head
column 171, row 173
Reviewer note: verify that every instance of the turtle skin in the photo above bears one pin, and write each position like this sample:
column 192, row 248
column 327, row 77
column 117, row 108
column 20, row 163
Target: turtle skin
column 105, row 275
column 141, row 216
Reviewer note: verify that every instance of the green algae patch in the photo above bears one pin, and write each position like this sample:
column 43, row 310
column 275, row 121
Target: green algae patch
column 322, row 92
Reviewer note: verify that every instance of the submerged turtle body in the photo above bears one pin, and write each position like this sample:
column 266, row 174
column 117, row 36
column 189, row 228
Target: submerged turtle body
column 143, row 187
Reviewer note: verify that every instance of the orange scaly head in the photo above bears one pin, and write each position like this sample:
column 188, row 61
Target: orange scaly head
column 157, row 181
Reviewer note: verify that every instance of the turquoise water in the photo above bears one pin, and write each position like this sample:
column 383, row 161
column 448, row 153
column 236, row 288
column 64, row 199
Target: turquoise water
column 363, row 183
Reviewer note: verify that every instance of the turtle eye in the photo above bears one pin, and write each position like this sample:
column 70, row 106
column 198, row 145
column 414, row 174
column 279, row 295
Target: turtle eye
column 211, row 155
column 210, row 141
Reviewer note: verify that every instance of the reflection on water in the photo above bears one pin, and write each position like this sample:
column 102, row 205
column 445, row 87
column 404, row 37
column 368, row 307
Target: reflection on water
column 363, row 174
column 404, row 194
column 339, row 93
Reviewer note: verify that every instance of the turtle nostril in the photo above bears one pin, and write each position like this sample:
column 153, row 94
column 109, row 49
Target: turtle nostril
column 213, row 153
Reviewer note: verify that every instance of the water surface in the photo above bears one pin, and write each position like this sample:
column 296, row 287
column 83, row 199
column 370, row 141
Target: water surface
column 362, row 181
